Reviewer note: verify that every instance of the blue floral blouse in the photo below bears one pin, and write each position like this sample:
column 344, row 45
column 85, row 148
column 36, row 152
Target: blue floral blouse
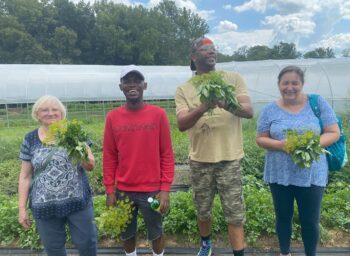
column 279, row 166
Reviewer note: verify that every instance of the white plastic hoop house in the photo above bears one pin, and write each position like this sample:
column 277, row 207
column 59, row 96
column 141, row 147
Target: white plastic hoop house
column 26, row 83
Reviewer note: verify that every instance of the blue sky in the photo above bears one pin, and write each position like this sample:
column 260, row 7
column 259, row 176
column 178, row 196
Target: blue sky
column 307, row 23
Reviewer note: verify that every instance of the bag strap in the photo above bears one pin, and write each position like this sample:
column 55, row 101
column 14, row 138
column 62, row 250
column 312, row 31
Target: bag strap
column 42, row 168
column 313, row 101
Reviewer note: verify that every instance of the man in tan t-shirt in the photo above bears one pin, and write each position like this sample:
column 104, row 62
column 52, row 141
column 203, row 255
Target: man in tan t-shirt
column 216, row 148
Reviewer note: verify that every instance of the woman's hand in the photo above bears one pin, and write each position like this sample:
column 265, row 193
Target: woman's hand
column 89, row 164
column 265, row 141
column 23, row 218
column 25, row 178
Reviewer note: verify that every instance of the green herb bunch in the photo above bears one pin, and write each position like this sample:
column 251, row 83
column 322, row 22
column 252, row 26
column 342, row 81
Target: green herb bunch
column 69, row 135
column 212, row 88
column 304, row 148
column 114, row 219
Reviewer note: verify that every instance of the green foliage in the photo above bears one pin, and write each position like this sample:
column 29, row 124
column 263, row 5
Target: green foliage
column 30, row 238
column 104, row 32
column 304, row 148
column 212, row 88
column 71, row 136
column 95, row 176
column 9, row 147
column 9, row 225
column 181, row 220
column 254, row 159
column 320, row 53
column 182, row 217
column 9, row 173
column 336, row 206
column 111, row 221
column 260, row 216
column 179, row 141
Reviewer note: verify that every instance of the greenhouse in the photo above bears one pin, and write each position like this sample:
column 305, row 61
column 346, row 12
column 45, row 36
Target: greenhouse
column 23, row 84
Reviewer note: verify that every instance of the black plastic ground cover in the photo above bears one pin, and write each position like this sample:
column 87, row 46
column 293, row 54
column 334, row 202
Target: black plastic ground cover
column 179, row 251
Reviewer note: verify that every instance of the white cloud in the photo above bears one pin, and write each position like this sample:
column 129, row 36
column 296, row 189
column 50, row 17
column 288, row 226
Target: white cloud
column 338, row 41
column 256, row 5
column 206, row 14
column 226, row 25
column 227, row 7
column 291, row 25
column 282, row 6
column 345, row 10
column 229, row 42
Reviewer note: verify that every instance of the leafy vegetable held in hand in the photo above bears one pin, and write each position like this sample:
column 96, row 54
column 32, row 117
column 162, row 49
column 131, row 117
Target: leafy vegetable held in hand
column 304, row 148
column 115, row 219
column 70, row 136
column 212, row 88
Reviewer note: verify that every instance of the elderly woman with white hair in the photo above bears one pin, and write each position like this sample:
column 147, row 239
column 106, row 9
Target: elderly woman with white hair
column 57, row 190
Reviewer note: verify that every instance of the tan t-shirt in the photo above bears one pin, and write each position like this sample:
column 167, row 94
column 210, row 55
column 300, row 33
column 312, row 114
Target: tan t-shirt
column 217, row 137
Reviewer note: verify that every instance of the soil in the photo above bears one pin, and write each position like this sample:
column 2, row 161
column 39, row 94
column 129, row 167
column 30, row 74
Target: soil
column 263, row 243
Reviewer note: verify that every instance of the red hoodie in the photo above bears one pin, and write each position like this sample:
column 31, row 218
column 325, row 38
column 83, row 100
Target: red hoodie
column 137, row 150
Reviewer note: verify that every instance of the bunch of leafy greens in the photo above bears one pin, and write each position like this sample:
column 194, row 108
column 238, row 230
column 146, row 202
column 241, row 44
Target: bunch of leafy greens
column 71, row 136
column 304, row 147
column 212, row 88
column 114, row 219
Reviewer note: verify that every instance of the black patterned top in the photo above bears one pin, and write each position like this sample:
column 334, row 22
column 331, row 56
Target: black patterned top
column 58, row 187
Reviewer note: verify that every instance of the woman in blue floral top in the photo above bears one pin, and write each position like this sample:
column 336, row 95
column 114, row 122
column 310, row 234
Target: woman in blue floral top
column 57, row 190
column 287, row 181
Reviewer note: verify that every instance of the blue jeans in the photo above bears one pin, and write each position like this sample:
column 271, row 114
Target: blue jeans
column 82, row 229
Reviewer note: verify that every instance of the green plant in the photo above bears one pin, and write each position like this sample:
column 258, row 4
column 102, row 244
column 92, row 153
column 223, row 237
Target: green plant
column 260, row 215
column 212, row 88
column 9, row 225
column 336, row 206
column 30, row 238
column 304, row 147
column 182, row 216
column 113, row 220
column 69, row 135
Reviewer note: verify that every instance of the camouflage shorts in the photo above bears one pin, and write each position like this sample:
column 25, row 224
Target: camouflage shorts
column 223, row 177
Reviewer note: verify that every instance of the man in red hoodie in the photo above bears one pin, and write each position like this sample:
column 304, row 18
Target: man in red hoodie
column 138, row 159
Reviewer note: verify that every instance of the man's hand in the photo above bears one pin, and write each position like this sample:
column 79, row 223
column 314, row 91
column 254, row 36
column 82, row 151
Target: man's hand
column 163, row 197
column 111, row 199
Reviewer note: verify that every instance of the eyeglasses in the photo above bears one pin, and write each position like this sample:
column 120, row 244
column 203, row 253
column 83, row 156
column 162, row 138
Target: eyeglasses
column 47, row 110
column 207, row 48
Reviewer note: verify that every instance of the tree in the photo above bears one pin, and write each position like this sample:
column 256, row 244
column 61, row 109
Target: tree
column 79, row 18
column 259, row 52
column 346, row 52
column 241, row 54
column 114, row 38
column 285, row 51
column 320, row 53
column 179, row 27
column 64, row 45
column 17, row 46
column 224, row 58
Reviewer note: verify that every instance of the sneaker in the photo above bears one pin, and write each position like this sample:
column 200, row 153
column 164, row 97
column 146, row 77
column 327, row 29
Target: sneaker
column 205, row 249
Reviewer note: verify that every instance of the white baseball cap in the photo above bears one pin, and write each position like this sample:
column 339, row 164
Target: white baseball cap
column 131, row 68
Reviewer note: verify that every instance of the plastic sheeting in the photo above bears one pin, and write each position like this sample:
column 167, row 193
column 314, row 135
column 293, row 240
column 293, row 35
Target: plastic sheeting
column 22, row 83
